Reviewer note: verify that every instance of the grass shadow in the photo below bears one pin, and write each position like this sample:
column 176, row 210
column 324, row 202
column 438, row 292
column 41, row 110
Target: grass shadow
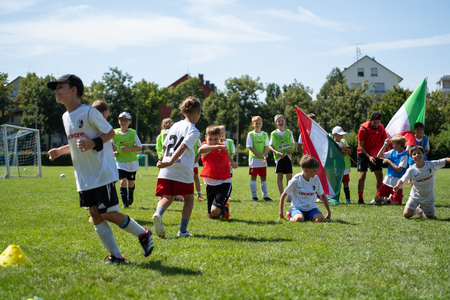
column 341, row 222
column 168, row 270
column 248, row 221
column 240, row 238
column 442, row 205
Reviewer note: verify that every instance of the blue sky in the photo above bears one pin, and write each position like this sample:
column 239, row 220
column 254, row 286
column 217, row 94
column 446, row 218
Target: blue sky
column 278, row 41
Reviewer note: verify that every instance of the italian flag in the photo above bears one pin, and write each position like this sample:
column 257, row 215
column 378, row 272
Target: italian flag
column 411, row 112
column 318, row 144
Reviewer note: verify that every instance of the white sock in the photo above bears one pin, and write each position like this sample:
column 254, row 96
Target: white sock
column 106, row 235
column 134, row 228
column 263, row 185
column 253, row 187
column 199, row 194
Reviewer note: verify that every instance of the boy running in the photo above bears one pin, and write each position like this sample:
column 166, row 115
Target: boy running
column 176, row 174
column 95, row 171
column 126, row 143
column 216, row 173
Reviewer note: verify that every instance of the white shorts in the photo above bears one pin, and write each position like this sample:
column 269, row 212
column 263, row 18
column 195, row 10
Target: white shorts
column 427, row 207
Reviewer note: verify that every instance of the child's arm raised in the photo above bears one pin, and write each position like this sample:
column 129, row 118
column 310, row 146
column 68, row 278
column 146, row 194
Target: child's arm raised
column 205, row 149
column 380, row 153
column 57, row 152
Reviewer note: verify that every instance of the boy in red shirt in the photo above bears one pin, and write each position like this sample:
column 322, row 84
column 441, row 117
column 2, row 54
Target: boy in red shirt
column 216, row 173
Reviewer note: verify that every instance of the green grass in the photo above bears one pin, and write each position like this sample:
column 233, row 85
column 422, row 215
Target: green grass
column 364, row 252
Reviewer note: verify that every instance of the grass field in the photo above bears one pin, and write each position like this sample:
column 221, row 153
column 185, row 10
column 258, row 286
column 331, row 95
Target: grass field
column 364, row 252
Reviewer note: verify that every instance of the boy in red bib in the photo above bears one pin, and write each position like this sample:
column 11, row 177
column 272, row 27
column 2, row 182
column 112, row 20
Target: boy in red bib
column 216, row 173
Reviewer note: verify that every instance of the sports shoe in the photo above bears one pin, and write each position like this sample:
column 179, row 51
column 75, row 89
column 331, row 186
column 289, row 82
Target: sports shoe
column 419, row 212
column 130, row 201
column 386, row 201
column 255, row 199
column 146, row 242
column 371, row 202
column 124, row 206
column 361, row 201
column 90, row 219
column 111, row 259
column 288, row 215
column 230, row 199
column 267, row 199
column 227, row 215
column 184, row 234
column 348, row 201
column 200, row 198
column 159, row 227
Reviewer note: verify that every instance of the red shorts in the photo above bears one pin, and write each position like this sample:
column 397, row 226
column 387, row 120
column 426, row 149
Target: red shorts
column 167, row 187
column 385, row 191
column 262, row 172
column 346, row 178
column 196, row 170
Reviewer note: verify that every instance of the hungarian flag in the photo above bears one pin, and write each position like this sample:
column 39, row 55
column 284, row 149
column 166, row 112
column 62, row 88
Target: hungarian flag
column 318, row 144
column 411, row 112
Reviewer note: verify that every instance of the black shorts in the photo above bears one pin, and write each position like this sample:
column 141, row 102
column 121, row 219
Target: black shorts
column 364, row 162
column 284, row 166
column 105, row 197
column 218, row 195
column 128, row 175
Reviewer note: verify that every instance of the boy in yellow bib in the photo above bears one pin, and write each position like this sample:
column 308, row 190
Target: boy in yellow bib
column 126, row 144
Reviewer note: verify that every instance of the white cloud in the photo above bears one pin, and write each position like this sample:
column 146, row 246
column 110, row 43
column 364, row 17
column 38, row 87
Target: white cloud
column 306, row 16
column 10, row 6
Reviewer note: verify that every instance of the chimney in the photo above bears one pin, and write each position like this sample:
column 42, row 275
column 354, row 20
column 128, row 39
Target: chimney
column 200, row 76
column 212, row 87
column 207, row 84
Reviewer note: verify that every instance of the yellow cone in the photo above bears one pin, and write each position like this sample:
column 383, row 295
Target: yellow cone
column 13, row 255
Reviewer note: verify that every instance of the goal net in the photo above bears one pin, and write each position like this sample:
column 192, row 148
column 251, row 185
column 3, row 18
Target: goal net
column 20, row 152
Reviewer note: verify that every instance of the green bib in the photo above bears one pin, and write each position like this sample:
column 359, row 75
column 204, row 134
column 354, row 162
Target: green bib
column 126, row 140
column 258, row 143
column 281, row 143
column 347, row 161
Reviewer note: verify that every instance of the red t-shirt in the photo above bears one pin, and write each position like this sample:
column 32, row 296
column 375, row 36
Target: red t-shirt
column 215, row 165
column 373, row 138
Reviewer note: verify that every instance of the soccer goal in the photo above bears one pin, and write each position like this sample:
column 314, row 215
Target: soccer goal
column 20, row 152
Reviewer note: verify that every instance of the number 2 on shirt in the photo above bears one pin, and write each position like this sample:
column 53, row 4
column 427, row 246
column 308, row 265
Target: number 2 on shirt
column 173, row 144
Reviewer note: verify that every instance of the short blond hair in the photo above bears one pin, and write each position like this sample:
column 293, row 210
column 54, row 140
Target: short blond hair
column 222, row 128
column 212, row 130
column 277, row 117
column 399, row 139
column 256, row 118
column 100, row 105
column 309, row 162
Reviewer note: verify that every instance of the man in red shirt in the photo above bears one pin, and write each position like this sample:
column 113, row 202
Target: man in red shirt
column 371, row 136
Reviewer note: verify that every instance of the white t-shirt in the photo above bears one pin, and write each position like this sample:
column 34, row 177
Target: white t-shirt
column 300, row 139
column 256, row 162
column 303, row 192
column 282, row 133
column 233, row 150
column 182, row 170
column 392, row 181
column 132, row 166
column 423, row 180
column 92, row 168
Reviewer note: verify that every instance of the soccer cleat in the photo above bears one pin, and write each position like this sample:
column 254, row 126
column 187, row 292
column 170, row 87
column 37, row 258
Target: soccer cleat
column 111, row 259
column 386, row 201
column 227, row 214
column 184, row 234
column 371, row 202
column 230, row 199
column 125, row 206
column 146, row 242
column 159, row 227
column 255, row 199
column 90, row 219
column 267, row 199
column 200, row 198
column 347, row 201
column 288, row 215
column 130, row 201
column 361, row 201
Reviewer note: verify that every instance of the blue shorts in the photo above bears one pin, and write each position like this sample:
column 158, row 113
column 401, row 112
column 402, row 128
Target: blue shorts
column 308, row 215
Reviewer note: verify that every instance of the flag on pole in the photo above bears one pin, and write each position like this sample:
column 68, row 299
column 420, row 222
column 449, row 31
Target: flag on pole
column 411, row 112
column 318, row 144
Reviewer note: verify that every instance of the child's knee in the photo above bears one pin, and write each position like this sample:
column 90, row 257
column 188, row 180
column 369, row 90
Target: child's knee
column 318, row 218
column 298, row 218
column 215, row 211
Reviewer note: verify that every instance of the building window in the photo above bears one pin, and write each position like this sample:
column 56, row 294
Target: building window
column 446, row 84
column 374, row 72
column 379, row 87
column 356, row 85
column 360, row 72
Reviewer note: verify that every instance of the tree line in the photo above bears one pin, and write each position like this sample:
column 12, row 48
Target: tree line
column 336, row 104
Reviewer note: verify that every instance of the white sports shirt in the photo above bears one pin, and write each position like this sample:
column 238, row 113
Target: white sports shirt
column 423, row 180
column 303, row 192
column 182, row 170
column 92, row 168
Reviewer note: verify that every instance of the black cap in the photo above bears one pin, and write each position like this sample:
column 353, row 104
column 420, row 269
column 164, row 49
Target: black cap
column 72, row 79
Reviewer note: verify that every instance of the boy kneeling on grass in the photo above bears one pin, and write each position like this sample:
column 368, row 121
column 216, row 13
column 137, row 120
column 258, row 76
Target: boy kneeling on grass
column 423, row 175
column 302, row 188
column 216, row 173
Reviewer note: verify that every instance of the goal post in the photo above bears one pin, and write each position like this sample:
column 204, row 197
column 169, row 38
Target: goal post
column 20, row 152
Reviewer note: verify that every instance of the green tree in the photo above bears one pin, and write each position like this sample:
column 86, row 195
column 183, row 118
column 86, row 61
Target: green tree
column 175, row 96
column 40, row 108
column 10, row 107
column 390, row 103
column 216, row 111
column 437, row 112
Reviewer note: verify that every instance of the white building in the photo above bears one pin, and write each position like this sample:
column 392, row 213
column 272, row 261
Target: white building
column 375, row 73
column 444, row 84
